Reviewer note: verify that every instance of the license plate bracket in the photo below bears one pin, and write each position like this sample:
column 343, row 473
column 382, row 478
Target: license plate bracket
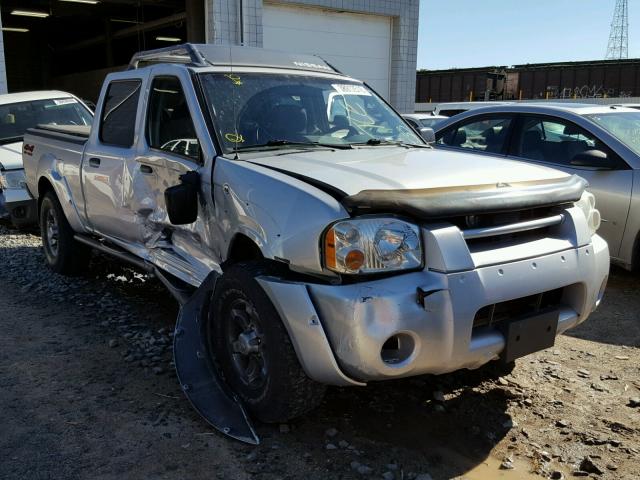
column 529, row 334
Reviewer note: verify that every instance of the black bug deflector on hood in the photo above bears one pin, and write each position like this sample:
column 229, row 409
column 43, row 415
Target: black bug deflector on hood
column 198, row 377
column 453, row 201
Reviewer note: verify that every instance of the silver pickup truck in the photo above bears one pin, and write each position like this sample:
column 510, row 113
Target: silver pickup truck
column 311, row 235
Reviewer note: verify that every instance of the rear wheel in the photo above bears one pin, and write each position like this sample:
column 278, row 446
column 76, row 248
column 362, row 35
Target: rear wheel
column 253, row 349
column 63, row 254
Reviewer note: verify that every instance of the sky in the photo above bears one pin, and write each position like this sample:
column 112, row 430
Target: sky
column 479, row 33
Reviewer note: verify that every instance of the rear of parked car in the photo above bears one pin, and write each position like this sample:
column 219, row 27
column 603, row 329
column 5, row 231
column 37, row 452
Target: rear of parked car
column 19, row 112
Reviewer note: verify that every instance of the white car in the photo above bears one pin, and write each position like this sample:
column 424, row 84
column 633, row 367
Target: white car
column 423, row 120
column 19, row 112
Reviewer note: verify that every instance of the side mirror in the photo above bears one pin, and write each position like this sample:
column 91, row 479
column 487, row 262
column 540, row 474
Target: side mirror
column 593, row 158
column 428, row 134
column 182, row 200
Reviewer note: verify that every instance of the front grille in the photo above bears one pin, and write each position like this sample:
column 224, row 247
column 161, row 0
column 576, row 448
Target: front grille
column 496, row 219
column 492, row 315
column 480, row 231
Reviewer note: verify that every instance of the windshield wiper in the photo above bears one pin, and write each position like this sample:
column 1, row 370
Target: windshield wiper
column 380, row 141
column 288, row 143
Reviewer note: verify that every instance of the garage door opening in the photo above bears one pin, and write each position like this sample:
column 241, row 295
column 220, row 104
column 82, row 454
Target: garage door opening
column 71, row 45
column 357, row 44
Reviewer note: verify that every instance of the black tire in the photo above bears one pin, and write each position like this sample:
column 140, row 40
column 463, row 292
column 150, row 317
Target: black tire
column 63, row 254
column 269, row 380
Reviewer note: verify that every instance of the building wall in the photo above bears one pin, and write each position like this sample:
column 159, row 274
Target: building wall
column 3, row 68
column 223, row 27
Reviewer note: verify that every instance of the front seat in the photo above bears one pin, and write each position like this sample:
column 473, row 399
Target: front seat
column 532, row 145
column 287, row 122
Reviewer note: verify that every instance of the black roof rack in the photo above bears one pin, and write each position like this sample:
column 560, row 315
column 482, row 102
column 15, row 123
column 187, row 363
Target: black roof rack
column 204, row 55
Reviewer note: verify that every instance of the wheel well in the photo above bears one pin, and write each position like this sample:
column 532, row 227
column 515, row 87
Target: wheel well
column 242, row 249
column 635, row 254
column 44, row 185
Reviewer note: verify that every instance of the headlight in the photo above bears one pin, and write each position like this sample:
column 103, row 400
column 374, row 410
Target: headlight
column 12, row 179
column 587, row 204
column 372, row 245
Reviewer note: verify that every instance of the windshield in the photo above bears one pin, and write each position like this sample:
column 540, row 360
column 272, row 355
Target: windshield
column 258, row 109
column 16, row 118
column 625, row 126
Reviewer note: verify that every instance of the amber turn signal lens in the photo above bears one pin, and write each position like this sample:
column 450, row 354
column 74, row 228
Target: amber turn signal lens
column 354, row 260
column 330, row 249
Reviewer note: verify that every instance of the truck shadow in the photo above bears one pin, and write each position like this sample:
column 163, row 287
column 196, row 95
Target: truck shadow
column 616, row 321
column 447, row 425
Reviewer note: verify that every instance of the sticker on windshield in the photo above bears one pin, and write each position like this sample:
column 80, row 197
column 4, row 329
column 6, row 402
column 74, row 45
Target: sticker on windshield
column 64, row 101
column 234, row 78
column 351, row 89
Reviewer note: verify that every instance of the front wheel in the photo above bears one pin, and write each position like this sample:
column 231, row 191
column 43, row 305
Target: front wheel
column 63, row 254
column 253, row 349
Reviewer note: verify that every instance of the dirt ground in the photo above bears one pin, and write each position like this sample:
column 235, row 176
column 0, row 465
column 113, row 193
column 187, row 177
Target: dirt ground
column 87, row 390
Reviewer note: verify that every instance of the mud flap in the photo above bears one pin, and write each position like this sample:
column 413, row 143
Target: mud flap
column 198, row 377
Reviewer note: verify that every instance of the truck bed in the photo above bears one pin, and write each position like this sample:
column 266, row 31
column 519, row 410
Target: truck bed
column 77, row 134
column 66, row 145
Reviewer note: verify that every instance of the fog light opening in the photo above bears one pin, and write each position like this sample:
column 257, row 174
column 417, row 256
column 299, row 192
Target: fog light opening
column 397, row 349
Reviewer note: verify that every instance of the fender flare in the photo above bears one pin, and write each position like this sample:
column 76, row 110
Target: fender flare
column 199, row 379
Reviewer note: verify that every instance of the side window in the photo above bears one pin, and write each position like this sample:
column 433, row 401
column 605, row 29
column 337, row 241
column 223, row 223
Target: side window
column 555, row 141
column 487, row 135
column 118, row 122
column 169, row 124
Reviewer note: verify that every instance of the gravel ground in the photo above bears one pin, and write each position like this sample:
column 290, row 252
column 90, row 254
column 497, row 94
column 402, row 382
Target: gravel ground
column 87, row 390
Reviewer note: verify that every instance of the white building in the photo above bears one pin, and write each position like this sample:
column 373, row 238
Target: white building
column 70, row 45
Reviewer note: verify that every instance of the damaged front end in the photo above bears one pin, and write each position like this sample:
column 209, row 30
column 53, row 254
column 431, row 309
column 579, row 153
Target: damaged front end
column 199, row 378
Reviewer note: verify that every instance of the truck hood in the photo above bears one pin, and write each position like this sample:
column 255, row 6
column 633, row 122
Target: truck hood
column 427, row 183
column 389, row 168
column 11, row 156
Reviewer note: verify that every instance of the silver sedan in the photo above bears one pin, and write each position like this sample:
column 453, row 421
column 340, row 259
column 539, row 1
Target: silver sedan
column 600, row 143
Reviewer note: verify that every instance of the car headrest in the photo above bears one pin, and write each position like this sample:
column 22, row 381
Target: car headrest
column 289, row 118
column 460, row 138
column 341, row 121
column 571, row 130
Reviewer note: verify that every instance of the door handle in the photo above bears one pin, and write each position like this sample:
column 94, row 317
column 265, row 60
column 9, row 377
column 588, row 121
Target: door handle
column 94, row 162
column 146, row 169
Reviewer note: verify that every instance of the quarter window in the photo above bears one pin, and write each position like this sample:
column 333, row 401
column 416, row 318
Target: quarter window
column 554, row 141
column 487, row 135
column 118, row 122
column 169, row 124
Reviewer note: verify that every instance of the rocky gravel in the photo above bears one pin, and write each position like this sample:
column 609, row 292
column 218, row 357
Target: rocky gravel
column 88, row 390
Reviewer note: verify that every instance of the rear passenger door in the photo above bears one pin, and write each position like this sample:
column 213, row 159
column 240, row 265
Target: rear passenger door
column 485, row 134
column 554, row 142
column 105, row 179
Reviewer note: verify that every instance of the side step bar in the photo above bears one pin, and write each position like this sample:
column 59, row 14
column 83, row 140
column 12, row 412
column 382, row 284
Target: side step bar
column 180, row 290
column 115, row 252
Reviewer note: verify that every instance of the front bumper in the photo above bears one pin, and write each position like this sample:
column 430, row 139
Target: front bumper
column 341, row 332
column 18, row 207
